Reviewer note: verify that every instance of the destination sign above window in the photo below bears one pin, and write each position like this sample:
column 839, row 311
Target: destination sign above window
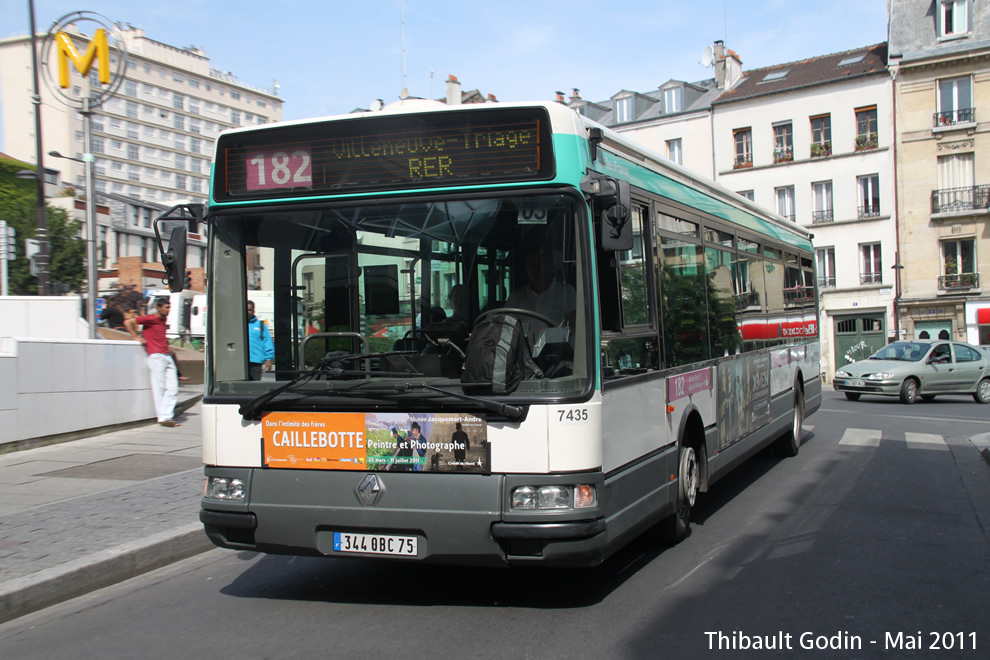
column 385, row 152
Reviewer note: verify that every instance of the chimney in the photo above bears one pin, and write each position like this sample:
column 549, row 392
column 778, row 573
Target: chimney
column 575, row 95
column 453, row 90
column 733, row 69
column 560, row 97
column 719, row 58
column 492, row 99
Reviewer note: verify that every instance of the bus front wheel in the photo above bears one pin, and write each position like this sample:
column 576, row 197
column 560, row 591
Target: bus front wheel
column 688, row 485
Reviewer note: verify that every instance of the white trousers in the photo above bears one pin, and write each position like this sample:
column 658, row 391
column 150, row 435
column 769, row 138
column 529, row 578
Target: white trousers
column 164, row 384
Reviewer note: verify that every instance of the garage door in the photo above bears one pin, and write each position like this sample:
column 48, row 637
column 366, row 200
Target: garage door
column 858, row 337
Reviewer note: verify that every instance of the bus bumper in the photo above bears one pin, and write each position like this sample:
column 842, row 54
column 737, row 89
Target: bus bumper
column 456, row 519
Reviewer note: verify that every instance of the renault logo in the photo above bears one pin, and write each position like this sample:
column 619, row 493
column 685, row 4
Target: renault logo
column 369, row 489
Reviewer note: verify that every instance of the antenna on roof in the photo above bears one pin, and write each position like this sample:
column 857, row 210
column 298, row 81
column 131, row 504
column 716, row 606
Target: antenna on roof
column 707, row 57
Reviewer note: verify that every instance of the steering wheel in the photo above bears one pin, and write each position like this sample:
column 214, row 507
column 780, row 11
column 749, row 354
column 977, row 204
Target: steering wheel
column 518, row 311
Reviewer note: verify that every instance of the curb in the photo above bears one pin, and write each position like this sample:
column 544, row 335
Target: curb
column 101, row 569
column 982, row 444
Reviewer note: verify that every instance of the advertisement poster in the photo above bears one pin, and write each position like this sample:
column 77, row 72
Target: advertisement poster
column 385, row 442
column 743, row 397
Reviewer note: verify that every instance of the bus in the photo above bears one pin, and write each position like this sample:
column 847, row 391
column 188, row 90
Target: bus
column 523, row 338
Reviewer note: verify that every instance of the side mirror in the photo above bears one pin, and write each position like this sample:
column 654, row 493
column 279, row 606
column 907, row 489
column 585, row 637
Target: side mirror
column 616, row 231
column 615, row 203
column 174, row 260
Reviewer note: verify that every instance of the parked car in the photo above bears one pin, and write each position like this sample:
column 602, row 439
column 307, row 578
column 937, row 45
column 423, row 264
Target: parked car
column 909, row 369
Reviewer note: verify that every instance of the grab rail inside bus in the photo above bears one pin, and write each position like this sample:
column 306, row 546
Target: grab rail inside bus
column 316, row 335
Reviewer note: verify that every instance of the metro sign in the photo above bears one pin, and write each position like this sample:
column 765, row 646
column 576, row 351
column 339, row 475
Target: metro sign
column 60, row 53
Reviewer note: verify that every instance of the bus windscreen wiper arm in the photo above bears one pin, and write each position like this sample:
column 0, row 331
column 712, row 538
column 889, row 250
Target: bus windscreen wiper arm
column 514, row 413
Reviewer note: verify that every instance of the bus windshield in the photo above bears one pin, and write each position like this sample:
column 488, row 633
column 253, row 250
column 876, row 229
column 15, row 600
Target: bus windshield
column 375, row 294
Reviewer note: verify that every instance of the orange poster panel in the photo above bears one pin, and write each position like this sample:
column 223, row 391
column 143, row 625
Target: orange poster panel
column 315, row 441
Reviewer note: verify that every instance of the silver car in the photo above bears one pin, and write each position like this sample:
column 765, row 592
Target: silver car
column 909, row 369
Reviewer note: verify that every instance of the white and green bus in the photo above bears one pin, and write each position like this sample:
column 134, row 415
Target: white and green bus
column 504, row 335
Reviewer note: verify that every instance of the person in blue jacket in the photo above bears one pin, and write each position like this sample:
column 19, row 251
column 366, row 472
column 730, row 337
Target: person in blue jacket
column 262, row 346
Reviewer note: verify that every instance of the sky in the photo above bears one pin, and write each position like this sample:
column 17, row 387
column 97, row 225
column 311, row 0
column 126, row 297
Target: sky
column 332, row 56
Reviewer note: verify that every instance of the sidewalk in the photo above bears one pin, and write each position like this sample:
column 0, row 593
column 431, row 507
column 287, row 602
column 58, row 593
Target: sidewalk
column 81, row 515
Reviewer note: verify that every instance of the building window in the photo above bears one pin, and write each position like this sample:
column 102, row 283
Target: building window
column 133, row 152
column 131, row 109
column 96, row 145
column 180, row 181
column 672, row 100
column 821, row 193
column 193, row 83
column 958, row 264
column 871, row 271
column 235, row 117
column 869, row 195
column 194, row 145
column 783, row 143
column 674, row 151
column 196, row 185
column 178, row 101
column 955, row 102
column 748, row 194
column 179, row 122
column 826, row 267
column 133, row 173
column 956, row 188
column 623, row 110
column 821, row 136
column 146, row 218
column 180, row 162
column 785, row 202
column 132, row 131
column 130, row 88
column 866, row 129
column 953, row 17
column 743, row 138
column 235, row 95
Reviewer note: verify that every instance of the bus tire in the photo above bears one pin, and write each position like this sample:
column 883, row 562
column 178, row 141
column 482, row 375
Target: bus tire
column 676, row 527
column 789, row 443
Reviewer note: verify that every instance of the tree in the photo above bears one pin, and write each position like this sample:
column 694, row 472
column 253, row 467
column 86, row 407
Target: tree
column 18, row 207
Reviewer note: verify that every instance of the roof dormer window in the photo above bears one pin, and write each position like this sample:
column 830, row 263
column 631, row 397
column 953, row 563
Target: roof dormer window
column 953, row 18
column 672, row 99
column 775, row 75
column 624, row 109
column 852, row 59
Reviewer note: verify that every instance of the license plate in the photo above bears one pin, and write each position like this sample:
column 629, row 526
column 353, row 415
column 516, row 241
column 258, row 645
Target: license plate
column 375, row 544
column 856, row 383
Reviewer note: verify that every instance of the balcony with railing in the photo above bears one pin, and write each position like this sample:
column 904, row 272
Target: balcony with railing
column 950, row 200
column 826, row 282
column 783, row 154
column 871, row 278
column 953, row 117
column 958, row 282
column 869, row 211
column 822, row 217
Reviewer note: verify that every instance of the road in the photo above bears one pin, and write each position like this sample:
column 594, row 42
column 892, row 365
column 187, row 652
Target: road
column 874, row 542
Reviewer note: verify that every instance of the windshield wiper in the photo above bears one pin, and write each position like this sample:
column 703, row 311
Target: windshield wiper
column 514, row 413
column 249, row 409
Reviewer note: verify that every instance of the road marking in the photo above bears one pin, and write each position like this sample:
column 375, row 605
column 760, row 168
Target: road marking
column 861, row 438
column 925, row 441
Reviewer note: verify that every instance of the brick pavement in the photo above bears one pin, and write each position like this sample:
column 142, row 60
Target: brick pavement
column 81, row 515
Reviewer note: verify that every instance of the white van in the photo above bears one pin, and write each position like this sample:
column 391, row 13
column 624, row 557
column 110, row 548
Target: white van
column 186, row 318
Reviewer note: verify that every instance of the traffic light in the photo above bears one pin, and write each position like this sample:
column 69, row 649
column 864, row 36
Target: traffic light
column 188, row 280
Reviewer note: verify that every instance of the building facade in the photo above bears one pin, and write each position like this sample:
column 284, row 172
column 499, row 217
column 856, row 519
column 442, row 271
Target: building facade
column 940, row 63
column 153, row 142
column 813, row 140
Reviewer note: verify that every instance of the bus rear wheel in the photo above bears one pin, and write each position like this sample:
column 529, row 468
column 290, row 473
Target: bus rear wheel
column 688, row 485
column 789, row 443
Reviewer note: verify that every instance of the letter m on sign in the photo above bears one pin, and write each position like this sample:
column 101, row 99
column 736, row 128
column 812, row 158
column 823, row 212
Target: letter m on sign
column 98, row 48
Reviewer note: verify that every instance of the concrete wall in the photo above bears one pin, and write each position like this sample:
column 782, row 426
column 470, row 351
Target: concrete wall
column 53, row 380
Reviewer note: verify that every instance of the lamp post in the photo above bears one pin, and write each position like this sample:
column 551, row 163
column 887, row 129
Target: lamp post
column 92, row 272
column 897, row 268
column 42, row 232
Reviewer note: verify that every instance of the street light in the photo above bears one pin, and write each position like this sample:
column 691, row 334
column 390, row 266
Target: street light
column 897, row 268
column 42, row 232
column 92, row 272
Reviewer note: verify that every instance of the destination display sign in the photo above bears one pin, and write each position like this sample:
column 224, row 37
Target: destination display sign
column 385, row 152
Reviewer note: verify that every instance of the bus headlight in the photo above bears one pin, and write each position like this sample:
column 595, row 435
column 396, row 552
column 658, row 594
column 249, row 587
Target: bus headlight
column 222, row 488
column 533, row 498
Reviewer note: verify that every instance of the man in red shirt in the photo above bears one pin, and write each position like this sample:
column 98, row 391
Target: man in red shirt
column 164, row 376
